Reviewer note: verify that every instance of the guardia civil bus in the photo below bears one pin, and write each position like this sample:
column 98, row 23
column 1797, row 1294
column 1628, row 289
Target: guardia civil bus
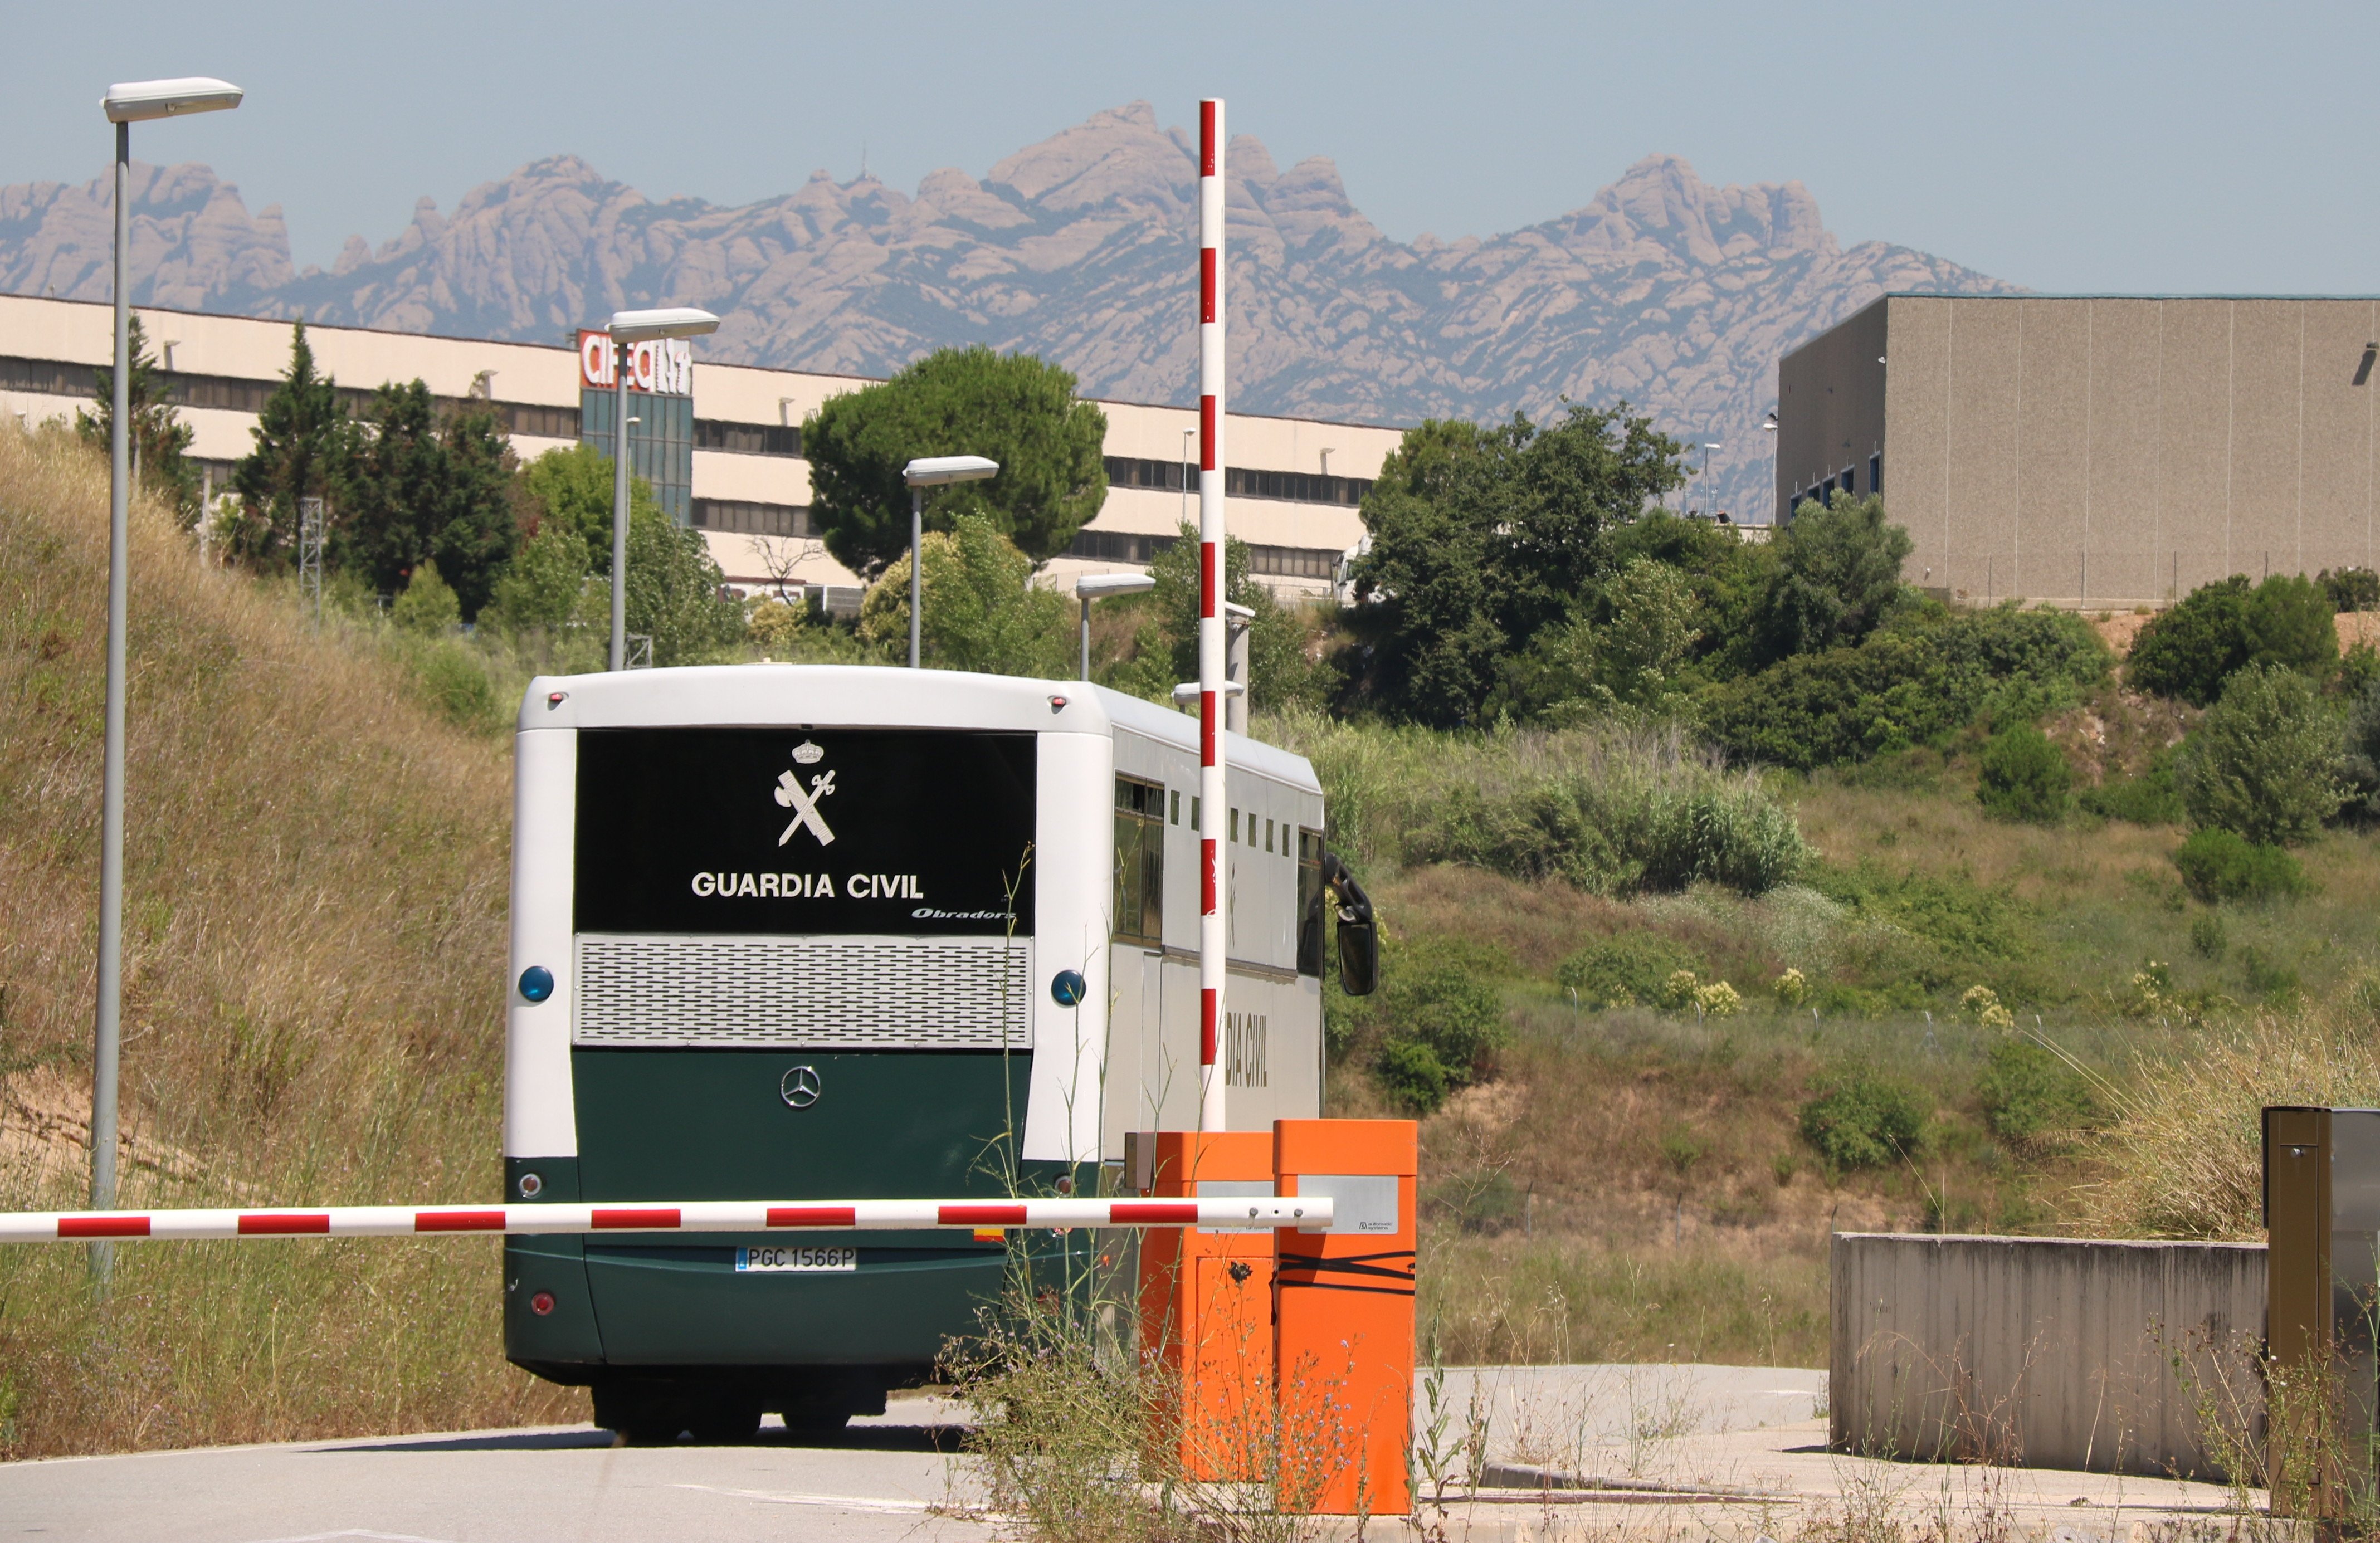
column 787, row 931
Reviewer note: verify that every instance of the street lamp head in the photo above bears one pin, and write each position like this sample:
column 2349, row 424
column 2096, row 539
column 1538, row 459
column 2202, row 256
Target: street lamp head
column 933, row 471
column 1769, row 423
column 644, row 326
column 1099, row 586
column 139, row 100
column 1713, row 444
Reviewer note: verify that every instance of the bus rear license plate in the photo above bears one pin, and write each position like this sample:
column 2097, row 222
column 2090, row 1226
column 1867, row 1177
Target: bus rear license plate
column 798, row 1261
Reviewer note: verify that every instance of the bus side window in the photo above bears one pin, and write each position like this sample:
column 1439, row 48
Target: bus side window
column 1140, row 861
column 1311, row 902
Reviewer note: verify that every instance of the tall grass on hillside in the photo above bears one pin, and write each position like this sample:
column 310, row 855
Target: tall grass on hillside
column 316, row 878
column 1610, row 807
column 2184, row 1155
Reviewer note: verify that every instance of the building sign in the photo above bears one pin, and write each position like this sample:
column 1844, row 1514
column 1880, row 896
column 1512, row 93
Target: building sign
column 664, row 366
column 805, row 831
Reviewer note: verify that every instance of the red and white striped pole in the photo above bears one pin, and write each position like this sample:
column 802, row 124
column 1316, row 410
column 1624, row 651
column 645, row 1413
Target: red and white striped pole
column 1212, row 938
column 1306, row 1214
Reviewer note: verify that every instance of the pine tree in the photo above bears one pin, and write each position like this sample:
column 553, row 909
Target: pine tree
column 160, row 438
column 296, row 444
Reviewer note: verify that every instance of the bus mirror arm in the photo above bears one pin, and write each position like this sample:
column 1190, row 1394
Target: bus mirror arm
column 1359, row 939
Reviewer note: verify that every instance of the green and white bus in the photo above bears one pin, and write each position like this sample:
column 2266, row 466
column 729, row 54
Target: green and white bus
column 785, row 932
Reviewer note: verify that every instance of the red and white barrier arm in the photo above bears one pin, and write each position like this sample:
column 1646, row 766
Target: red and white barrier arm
column 1310, row 1214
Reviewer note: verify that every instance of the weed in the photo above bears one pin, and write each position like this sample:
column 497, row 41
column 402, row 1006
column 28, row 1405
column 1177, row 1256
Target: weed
column 2031, row 1097
column 1865, row 1121
column 2217, row 865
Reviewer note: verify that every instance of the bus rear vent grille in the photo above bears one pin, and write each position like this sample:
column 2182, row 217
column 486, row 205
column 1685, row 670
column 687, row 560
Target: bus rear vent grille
column 805, row 993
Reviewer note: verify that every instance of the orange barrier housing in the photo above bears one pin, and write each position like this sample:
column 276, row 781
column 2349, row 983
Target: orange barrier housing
column 1206, row 1302
column 1344, row 1319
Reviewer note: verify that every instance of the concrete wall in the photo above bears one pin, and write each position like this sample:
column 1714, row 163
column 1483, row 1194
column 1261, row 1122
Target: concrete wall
column 2105, row 451
column 2046, row 1353
column 1830, row 407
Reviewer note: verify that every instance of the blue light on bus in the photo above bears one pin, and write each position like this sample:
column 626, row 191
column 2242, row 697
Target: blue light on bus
column 1069, row 987
column 536, row 983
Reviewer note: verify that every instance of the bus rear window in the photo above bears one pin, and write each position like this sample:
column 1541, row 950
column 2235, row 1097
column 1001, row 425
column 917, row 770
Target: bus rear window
column 805, row 831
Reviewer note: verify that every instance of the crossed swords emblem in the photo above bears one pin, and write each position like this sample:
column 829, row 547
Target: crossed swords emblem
column 803, row 803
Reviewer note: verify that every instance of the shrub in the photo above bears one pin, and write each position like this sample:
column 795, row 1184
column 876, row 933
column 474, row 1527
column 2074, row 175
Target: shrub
column 2265, row 759
column 2360, row 763
column 1923, row 676
column 457, row 684
column 1790, row 989
column 428, row 606
column 2023, row 777
column 2351, row 588
column 2219, row 865
column 2222, row 627
column 1445, row 1020
column 1718, row 999
column 2147, row 799
column 2031, row 1096
column 1983, row 1005
column 2207, row 938
column 2190, row 650
column 1624, row 970
column 1865, row 1121
column 1628, row 816
column 2267, row 975
column 1412, row 1075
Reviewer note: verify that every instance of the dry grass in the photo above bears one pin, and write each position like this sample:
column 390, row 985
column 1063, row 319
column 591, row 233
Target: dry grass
column 313, row 954
column 2185, row 1156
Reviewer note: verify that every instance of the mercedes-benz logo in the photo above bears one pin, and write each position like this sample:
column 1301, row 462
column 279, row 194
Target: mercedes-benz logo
column 800, row 1088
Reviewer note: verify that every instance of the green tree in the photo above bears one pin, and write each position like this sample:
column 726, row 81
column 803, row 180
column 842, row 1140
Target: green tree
column 1018, row 410
column 2290, row 622
column 1165, row 646
column 1482, row 539
column 160, row 439
column 983, row 612
column 428, row 605
column 1731, row 579
column 1839, row 570
column 2192, row 649
column 414, row 485
column 297, row 448
column 676, row 594
column 2266, row 761
column 573, row 488
column 1636, row 655
column 2023, row 777
column 541, row 585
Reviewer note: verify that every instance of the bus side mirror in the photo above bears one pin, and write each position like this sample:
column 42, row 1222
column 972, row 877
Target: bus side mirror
column 1359, row 957
column 1359, row 937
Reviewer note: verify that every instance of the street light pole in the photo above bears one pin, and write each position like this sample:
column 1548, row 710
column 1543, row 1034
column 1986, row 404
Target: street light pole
column 619, row 505
column 125, row 105
column 916, row 573
column 108, row 1023
column 627, row 327
column 931, row 471
column 1099, row 586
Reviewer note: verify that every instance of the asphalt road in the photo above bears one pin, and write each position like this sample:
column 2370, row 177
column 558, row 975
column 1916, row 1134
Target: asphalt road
column 884, row 1479
column 1725, row 1442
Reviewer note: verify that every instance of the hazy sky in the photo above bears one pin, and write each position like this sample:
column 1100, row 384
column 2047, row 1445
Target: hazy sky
column 2177, row 147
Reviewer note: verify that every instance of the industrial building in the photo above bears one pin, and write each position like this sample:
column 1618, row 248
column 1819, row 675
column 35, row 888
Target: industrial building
column 720, row 442
column 2095, row 451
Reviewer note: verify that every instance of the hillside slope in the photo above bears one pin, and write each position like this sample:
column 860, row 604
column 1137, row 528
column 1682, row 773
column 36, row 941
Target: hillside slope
column 314, row 1006
column 1661, row 288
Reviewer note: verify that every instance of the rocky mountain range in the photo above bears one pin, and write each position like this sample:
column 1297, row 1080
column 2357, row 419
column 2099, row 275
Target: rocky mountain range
column 1675, row 294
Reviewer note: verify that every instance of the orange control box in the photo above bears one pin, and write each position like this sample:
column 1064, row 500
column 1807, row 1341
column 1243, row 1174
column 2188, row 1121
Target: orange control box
column 1205, row 1302
column 1344, row 1316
